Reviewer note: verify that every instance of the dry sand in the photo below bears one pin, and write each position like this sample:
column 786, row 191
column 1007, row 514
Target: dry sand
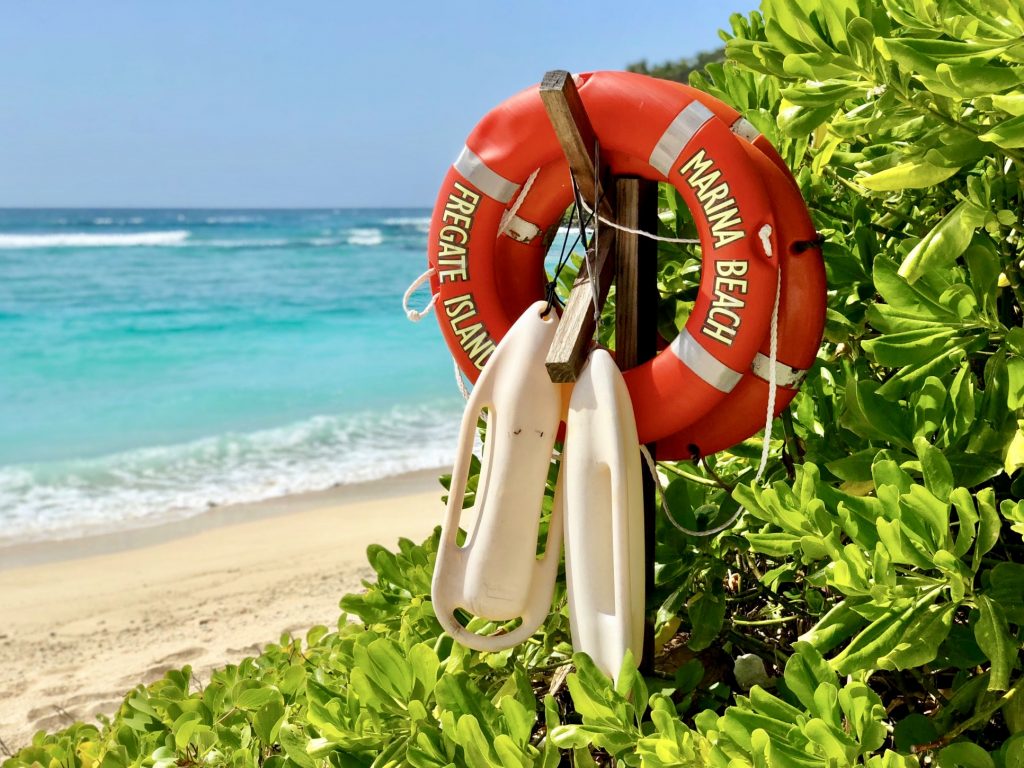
column 83, row 622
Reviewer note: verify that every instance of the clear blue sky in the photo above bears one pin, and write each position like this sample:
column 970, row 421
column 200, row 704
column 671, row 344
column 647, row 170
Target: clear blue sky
column 320, row 103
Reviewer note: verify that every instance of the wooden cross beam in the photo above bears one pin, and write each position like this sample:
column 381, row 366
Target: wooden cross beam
column 579, row 143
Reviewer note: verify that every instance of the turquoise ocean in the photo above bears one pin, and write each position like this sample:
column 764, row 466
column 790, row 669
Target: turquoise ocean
column 155, row 363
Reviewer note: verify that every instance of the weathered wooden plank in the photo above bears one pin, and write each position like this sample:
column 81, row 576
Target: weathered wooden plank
column 575, row 133
column 572, row 340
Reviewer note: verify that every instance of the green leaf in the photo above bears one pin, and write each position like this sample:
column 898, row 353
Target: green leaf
column 896, row 350
column 871, row 416
column 988, row 526
column 424, row 662
column 917, row 301
column 929, row 404
column 864, row 716
column 267, row 721
column 518, row 719
column 938, row 477
column 980, row 79
column 993, row 636
column 294, row 743
column 1006, row 589
column 912, row 730
column 1008, row 134
column 477, row 746
column 836, row 626
column 909, row 175
column 592, row 692
column 805, row 671
column 880, row 643
column 964, row 754
column 707, row 614
column 839, row 748
column 923, row 636
column 459, row 694
column 1012, row 103
column 1015, row 389
column 822, row 94
column 1014, row 513
column 855, row 468
column 799, row 120
column 254, row 698
column 946, row 241
column 1014, row 458
column 922, row 55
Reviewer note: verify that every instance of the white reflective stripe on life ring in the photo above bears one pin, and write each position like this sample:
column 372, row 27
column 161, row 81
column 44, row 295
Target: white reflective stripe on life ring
column 709, row 368
column 678, row 135
column 476, row 172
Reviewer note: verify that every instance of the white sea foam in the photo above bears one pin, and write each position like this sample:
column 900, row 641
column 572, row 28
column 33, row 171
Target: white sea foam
column 233, row 219
column 270, row 242
column 419, row 223
column 93, row 240
column 368, row 236
column 572, row 231
column 152, row 485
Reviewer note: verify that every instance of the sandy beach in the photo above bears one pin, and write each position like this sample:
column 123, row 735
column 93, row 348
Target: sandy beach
column 85, row 621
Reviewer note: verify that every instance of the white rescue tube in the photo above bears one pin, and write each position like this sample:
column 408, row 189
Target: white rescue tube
column 604, row 517
column 496, row 574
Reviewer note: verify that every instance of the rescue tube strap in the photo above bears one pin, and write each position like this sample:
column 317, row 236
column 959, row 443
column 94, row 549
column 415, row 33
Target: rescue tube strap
column 476, row 172
column 678, row 134
column 709, row 368
column 415, row 315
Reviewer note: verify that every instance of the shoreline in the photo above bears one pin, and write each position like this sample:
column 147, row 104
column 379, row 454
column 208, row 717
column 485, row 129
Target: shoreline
column 27, row 553
column 86, row 620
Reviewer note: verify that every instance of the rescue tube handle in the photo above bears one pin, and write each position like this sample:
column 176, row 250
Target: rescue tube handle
column 541, row 590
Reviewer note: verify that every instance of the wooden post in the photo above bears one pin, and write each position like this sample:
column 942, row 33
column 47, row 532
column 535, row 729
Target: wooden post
column 579, row 143
column 636, row 326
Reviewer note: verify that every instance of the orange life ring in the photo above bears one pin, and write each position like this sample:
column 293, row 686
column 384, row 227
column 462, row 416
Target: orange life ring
column 649, row 128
